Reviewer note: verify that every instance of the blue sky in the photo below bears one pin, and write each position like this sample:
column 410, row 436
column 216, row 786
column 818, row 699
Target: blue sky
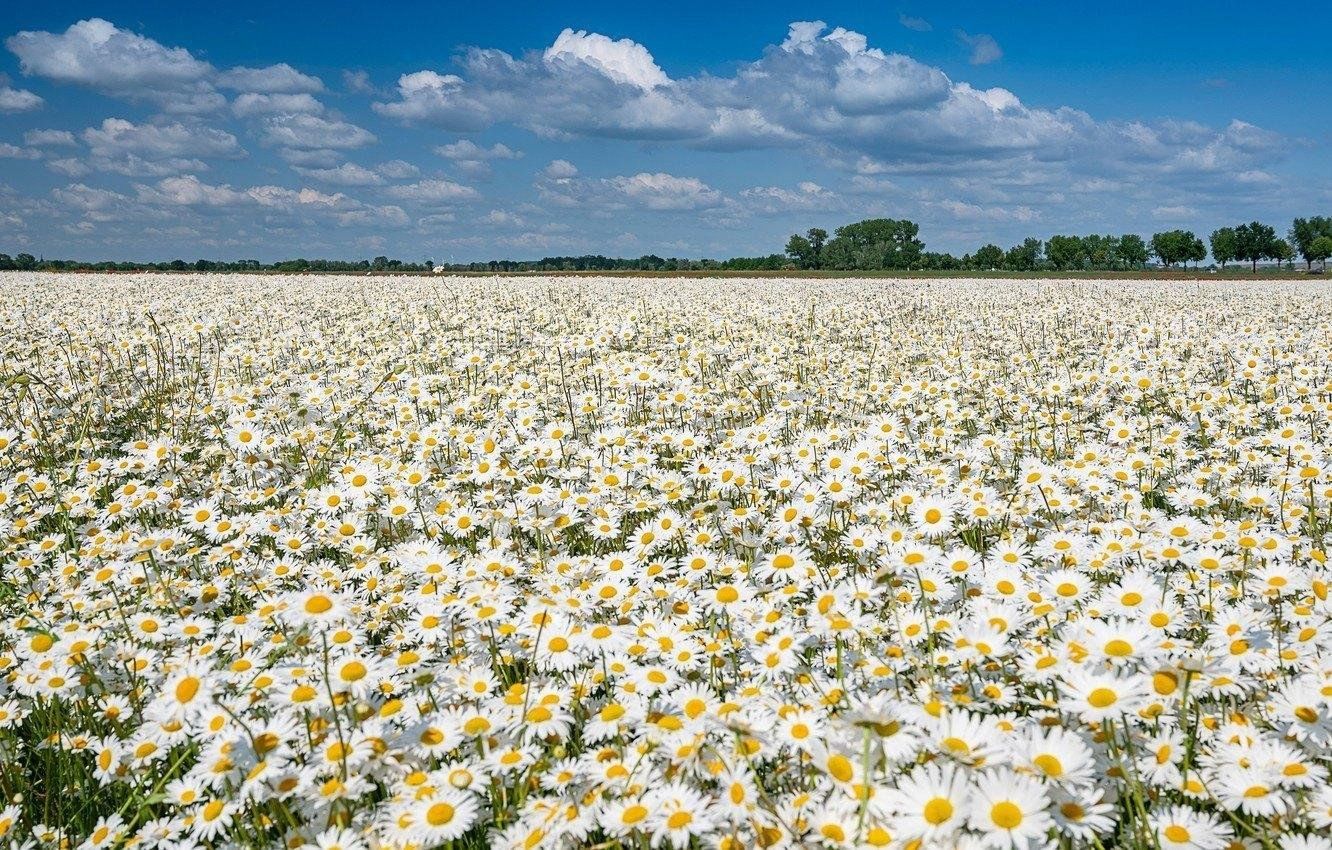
column 462, row 132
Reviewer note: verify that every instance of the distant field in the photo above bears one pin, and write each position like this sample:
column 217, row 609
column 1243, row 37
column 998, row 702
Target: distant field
column 488, row 561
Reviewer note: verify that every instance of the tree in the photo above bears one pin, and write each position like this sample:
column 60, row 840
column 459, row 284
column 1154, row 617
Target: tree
column 935, row 261
column 817, row 237
column 1064, row 252
column 1024, row 257
column 1197, row 250
column 1305, row 231
column 1255, row 241
column 807, row 250
column 989, row 257
column 1282, row 252
column 1223, row 245
column 25, row 262
column 799, row 250
column 875, row 243
column 1132, row 251
column 1320, row 249
column 1176, row 246
column 1099, row 250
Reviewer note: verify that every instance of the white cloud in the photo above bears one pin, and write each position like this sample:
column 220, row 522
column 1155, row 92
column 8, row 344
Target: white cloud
column 17, row 100
column 151, row 150
column 98, row 54
column 8, row 151
column 274, row 79
column 188, row 190
column 584, row 84
column 560, row 169
column 984, row 49
column 819, row 88
column 825, row 90
column 433, row 192
column 87, row 199
column 397, row 169
column 661, row 191
column 252, row 103
column 116, row 135
column 466, row 149
column 69, row 166
column 49, row 138
column 472, row 159
column 310, row 132
column 284, row 198
column 807, row 195
column 624, row 61
column 347, row 174
column 502, row 218
column 657, row 191
column 95, row 52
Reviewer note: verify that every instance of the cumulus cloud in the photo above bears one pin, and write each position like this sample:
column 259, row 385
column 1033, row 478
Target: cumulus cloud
column 657, row 191
column 8, row 151
column 466, row 149
column 397, row 169
column 93, row 203
column 188, row 191
column 825, row 89
column 984, row 49
column 313, row 132
column 117, row 135
column 18, row 100
column 123, row 147
column 100, row 55
column 589, row 86
column 69, row 166
column 807, row 195
column 97, row 53
column 433, row 192
column 253, row 103
column 560, row 169
column 474, row 160
column 661, row 191
column 625, row 61
column 274, row 79
column 347, row 174
column 49, row 138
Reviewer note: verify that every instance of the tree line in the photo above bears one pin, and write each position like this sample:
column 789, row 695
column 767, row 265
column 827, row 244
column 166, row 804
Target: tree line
column 869, row 245
column 27, row 262
column 894, row 244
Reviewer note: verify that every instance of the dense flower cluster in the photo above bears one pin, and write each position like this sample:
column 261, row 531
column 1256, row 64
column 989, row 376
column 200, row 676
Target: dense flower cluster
column 350, row 563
